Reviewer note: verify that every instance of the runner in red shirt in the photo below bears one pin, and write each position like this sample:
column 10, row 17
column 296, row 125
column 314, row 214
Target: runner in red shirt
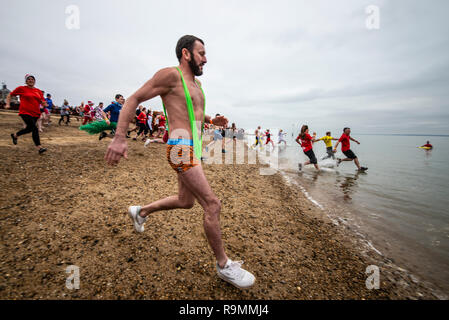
column 305, row 141
column 268, row 135
column 346, row 149
column 142, row 124
column 30, row 100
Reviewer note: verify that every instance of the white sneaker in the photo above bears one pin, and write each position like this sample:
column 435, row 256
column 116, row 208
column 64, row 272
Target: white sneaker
column 147, row 143
column 138, row 221
column 235, row 275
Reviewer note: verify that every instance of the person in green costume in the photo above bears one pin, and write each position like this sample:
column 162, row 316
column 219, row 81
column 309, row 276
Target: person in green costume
column 184, row 105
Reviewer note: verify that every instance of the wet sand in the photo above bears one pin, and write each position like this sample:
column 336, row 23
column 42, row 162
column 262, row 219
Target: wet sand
column 67, row 207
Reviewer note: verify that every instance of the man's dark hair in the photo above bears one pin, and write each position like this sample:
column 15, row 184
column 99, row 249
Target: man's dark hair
column 187, row 42
column 118, row 96
column 327, row 133
column 48, row 95
column 344, row 129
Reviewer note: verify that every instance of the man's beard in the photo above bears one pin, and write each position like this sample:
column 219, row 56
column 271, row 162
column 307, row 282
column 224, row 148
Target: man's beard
column 195, row 68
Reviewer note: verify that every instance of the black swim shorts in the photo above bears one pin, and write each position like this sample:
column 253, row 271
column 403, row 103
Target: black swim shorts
column 311, row 156
column 350, row 154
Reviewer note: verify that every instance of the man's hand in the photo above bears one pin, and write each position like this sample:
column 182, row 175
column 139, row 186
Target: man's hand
column 7, row 106
column 335, row 150
column 357, row 142
column 117, row 149
column 220, row 121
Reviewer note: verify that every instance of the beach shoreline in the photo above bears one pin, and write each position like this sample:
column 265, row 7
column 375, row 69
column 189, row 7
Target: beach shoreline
column 67, row 207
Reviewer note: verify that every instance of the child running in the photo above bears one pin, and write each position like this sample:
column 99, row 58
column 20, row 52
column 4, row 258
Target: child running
column 268, row 135
column 328, row 142
column 305, row 141
column 281, row 135
column 346, row 149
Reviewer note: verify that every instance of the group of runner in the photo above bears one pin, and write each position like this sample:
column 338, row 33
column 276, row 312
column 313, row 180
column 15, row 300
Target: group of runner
column 219, row 133
column 261, row 136
column 35, row 111
column 149, row 124
column 305, row 140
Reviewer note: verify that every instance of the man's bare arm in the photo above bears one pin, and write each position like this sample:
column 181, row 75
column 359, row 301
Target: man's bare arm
column 161, row 83
column 335, row 148
column 354, row 140
column 105, row 116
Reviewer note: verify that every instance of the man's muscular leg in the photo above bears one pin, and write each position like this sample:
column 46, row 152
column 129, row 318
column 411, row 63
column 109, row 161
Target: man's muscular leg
column 183, row 200
column 196, row 182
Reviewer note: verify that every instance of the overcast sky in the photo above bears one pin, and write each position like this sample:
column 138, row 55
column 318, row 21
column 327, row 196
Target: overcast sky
column 270, row 63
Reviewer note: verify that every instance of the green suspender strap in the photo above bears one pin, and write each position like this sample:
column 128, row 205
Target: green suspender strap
column 197, row 143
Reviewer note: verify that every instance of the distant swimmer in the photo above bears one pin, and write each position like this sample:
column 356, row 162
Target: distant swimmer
column 427, row 146
column 346, row 149
column 281, row 135
column 328, row 142
column 305, row 141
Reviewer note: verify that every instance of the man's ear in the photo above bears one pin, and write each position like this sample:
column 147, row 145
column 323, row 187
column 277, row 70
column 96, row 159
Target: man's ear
column 187, row 54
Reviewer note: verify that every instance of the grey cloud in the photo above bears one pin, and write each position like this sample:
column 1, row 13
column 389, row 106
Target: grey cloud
column 273, row 63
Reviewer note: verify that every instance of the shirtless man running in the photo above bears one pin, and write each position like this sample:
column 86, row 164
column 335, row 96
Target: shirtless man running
column 175, row 86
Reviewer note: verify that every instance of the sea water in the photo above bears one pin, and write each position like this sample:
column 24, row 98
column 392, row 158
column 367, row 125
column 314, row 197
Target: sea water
column 400, row 205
